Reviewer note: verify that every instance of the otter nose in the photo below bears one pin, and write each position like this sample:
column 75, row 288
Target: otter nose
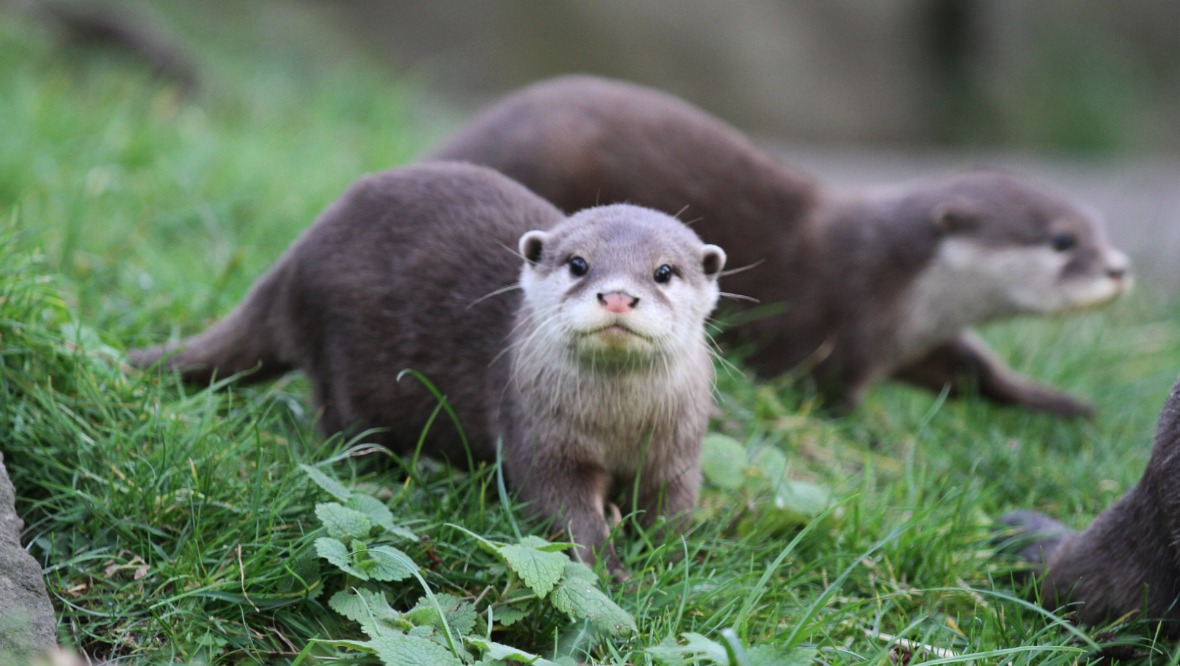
column 1117, row 265
column 618, row 302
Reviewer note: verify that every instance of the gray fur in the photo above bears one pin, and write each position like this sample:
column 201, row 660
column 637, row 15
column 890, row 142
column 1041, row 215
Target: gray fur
column 399, row 273
column 1128, row 559
column 838, row 270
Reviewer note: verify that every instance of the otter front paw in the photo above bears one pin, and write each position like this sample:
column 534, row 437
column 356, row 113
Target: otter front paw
column 1032, row 536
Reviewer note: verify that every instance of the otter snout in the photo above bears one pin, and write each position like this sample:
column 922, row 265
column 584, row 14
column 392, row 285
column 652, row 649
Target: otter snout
column 618, row 302
column 1118, row 267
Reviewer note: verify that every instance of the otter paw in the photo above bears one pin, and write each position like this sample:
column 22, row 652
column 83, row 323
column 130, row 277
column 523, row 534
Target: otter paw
column 1031, row 536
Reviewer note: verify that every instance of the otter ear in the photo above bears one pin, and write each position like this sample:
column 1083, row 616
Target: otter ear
column 953, row 216
column 712, row 260
column 531, row 245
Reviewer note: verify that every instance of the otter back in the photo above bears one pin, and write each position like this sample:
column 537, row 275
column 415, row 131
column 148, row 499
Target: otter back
column 852, row 286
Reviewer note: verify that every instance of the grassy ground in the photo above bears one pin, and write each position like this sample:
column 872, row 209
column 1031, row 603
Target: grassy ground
column 177, row 524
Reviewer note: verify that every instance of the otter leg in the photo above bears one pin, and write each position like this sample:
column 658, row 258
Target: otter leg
column 1034, row 538
column 1122, row 560
column 967, row 358
column 673, row 496
column 573, row 495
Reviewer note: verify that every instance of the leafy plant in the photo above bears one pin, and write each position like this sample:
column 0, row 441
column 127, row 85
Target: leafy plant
column 700, row 649
column 443, row 628
column 759, row 476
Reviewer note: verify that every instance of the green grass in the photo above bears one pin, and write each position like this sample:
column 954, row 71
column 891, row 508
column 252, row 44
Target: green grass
column 175, row 524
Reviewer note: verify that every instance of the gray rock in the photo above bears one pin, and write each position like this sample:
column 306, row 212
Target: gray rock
column 27, row 625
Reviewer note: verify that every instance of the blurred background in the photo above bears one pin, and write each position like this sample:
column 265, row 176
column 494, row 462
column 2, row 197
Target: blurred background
column 1081, row 94
column 1077, row 75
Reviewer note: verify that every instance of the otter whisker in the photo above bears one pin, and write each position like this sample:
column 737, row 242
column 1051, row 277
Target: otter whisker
column 738, row 297
column 497, row 292
column 741, row 269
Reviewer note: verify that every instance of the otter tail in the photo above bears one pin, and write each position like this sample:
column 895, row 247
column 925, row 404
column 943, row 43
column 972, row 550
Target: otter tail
column 249, row 340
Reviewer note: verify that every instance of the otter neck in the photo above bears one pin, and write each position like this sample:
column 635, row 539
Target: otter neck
column 546, row 377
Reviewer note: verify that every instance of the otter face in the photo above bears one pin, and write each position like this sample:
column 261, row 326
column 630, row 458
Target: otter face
column 1025, row 251
column 620, row 284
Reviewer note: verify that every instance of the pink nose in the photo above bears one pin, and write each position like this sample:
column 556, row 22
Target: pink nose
column 618, row 302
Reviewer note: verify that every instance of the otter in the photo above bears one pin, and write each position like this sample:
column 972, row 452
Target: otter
column 596, row 372
column 855, row 286
column 1128, row 559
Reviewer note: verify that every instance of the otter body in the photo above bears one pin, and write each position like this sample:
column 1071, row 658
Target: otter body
column 854, row 286
column 594, row 373
column 1128, row 559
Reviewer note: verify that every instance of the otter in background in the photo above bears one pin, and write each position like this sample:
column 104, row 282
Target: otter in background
column 855, row 286
column 1128, row 559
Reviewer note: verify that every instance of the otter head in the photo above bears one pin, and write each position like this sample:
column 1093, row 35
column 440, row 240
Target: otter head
column 1019, row 249
column 620, row 283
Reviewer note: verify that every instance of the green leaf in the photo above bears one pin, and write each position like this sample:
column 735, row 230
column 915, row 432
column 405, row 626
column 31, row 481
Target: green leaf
column 337, row 553
column 801, row 498
column 580, row 570
column 405, row 650
column 506, row 616
column 380, row 514
column 767, row 655
column 492, row 651
column 696, row 648
column 771, row 463
column 539, row 569
column 578, row 597
column 387, row 563
column 368, row 608
column 723, row 461
column 460, row 614
column 342, row 522
column 327, row 483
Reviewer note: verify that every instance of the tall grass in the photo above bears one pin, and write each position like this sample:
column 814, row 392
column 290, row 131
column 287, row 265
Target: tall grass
column 174, row 523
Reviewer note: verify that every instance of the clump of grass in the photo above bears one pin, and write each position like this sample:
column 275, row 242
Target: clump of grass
column 179, row 524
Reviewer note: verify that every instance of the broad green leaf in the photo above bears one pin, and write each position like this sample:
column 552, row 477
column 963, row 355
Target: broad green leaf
column 460, row 614
column 494, row 652
column 327, row 483
column 342, row 522
column 771, row 463
column 337, row 553
column 506, row 616
column 380, row 514
column 723, row 461
column 807, row 500
column 387, row 563
column 580, row 570
column 766, row 655
column 578, row 597
column 696, row 648
column 368, row 608
column 539, row 569
column 405, row 650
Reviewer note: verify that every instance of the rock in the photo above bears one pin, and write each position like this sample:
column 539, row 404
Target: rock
column 27, row 625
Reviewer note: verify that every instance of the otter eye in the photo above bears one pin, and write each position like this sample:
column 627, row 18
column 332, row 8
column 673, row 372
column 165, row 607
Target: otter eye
column 664, row 273
column 1063, row 241
column 578, row 266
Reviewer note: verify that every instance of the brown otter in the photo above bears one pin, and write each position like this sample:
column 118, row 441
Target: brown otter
column 1128, row 559
column 862, row 285
column 596, row 372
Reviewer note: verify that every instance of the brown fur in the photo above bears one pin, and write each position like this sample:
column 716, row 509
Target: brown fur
column 834, row 271
column 1128, row 559
column 398, row 274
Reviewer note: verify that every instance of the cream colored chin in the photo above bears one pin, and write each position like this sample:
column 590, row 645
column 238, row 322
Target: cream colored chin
column 1094, row 294
column 613, row 343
